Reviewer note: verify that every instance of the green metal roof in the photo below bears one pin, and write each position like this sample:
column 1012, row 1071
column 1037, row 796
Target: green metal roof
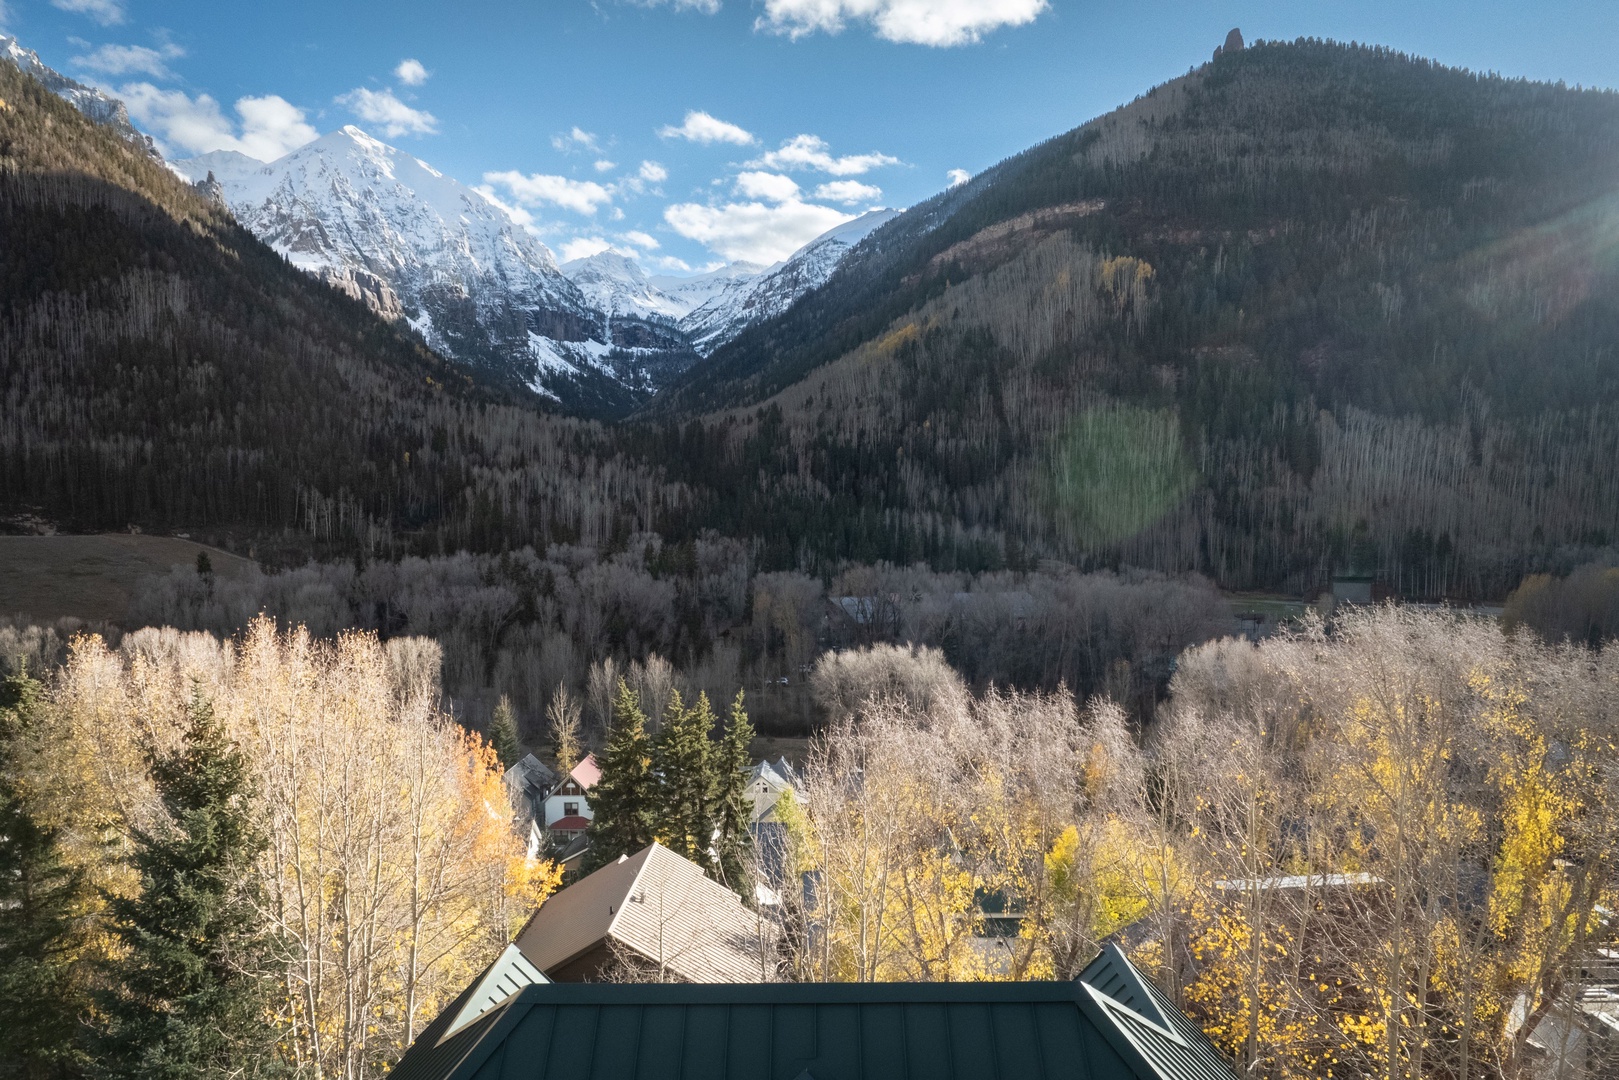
column 1171, row 1043
column 821, row 1031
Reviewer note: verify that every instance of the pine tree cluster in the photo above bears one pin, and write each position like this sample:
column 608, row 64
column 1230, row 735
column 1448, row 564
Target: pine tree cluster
column 684, row 787
column 173, row 997
column 42, row 900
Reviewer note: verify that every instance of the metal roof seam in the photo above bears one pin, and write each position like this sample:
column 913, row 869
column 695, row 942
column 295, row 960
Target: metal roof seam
column 994, row 1039
column 770, row 1038
column 1084, row 1059
column 685, row 1036
column 860, row 1035
column 725, row 1040
column 905, row 1036
column 640, row 1028
column 551, row 1038
column 1034, row 1015
column 595, row 1041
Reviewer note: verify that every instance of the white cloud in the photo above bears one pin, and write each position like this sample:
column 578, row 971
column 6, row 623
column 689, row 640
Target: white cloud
column 270, row 125
column 580, row 196
column 957, row 177
column 605, row 166
column 848, row 192
column 411, row 72
column 105, row 12
column 914, row 22
column 669, row 262
column 752, row 230
column 390, row 115
column 582, row 247
column 114, row 60
column 577, row 139
column 641, row 240
column 700, row 127
column 812, row 152
column 653, row 173
column 707, row 7
column 772, row 187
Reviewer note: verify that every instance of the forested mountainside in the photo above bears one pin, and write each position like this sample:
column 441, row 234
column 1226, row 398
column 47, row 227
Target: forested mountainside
column 1310, row 307
column 162, row 368
column 93, row 103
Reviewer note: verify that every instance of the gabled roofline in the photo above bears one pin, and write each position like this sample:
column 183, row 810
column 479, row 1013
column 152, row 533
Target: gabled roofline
column 551, row 791
column 511, row 966
column 1192, row 1038
column 1121, row 1026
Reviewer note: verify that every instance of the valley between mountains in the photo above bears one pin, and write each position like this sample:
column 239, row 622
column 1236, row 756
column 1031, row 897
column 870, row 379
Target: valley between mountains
column 596, row 335
column 1175, row 568
column 1309, row 309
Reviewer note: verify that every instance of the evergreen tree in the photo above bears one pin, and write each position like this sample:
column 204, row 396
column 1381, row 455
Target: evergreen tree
column 684, row 760
column 503, row 733
column 184, row 1004
column 622, row 800
column 732, row 810
column 41, row 928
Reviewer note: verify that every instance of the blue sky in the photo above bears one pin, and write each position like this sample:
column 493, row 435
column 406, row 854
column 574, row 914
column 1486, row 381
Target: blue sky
column 695, row 131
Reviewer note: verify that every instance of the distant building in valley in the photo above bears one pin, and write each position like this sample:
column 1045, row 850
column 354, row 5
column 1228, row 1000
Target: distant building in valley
column 767, row 783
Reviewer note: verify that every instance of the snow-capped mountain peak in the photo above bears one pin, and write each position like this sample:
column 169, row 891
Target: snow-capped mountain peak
column 699, row 289
column 617, row 284
column 744, row 302
column 382, row 224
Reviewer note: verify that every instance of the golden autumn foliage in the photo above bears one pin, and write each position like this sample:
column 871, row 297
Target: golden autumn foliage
column 393, row 872
column 1410, row 834
column 936, row 816
column 1381, row 850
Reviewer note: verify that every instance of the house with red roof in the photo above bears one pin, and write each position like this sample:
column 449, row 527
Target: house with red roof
column 567, row 807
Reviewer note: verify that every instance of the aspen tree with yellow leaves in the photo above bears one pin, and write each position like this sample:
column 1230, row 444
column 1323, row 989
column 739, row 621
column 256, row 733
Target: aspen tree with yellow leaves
column 391, row 873
column 1439, row 873
column 1382, row 849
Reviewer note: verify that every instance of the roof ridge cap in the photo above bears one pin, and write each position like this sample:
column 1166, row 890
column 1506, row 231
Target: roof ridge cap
column 629, row 893
column 1107, row 1001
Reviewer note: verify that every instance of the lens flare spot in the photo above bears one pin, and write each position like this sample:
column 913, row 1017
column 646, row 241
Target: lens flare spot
column 1115, row 471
